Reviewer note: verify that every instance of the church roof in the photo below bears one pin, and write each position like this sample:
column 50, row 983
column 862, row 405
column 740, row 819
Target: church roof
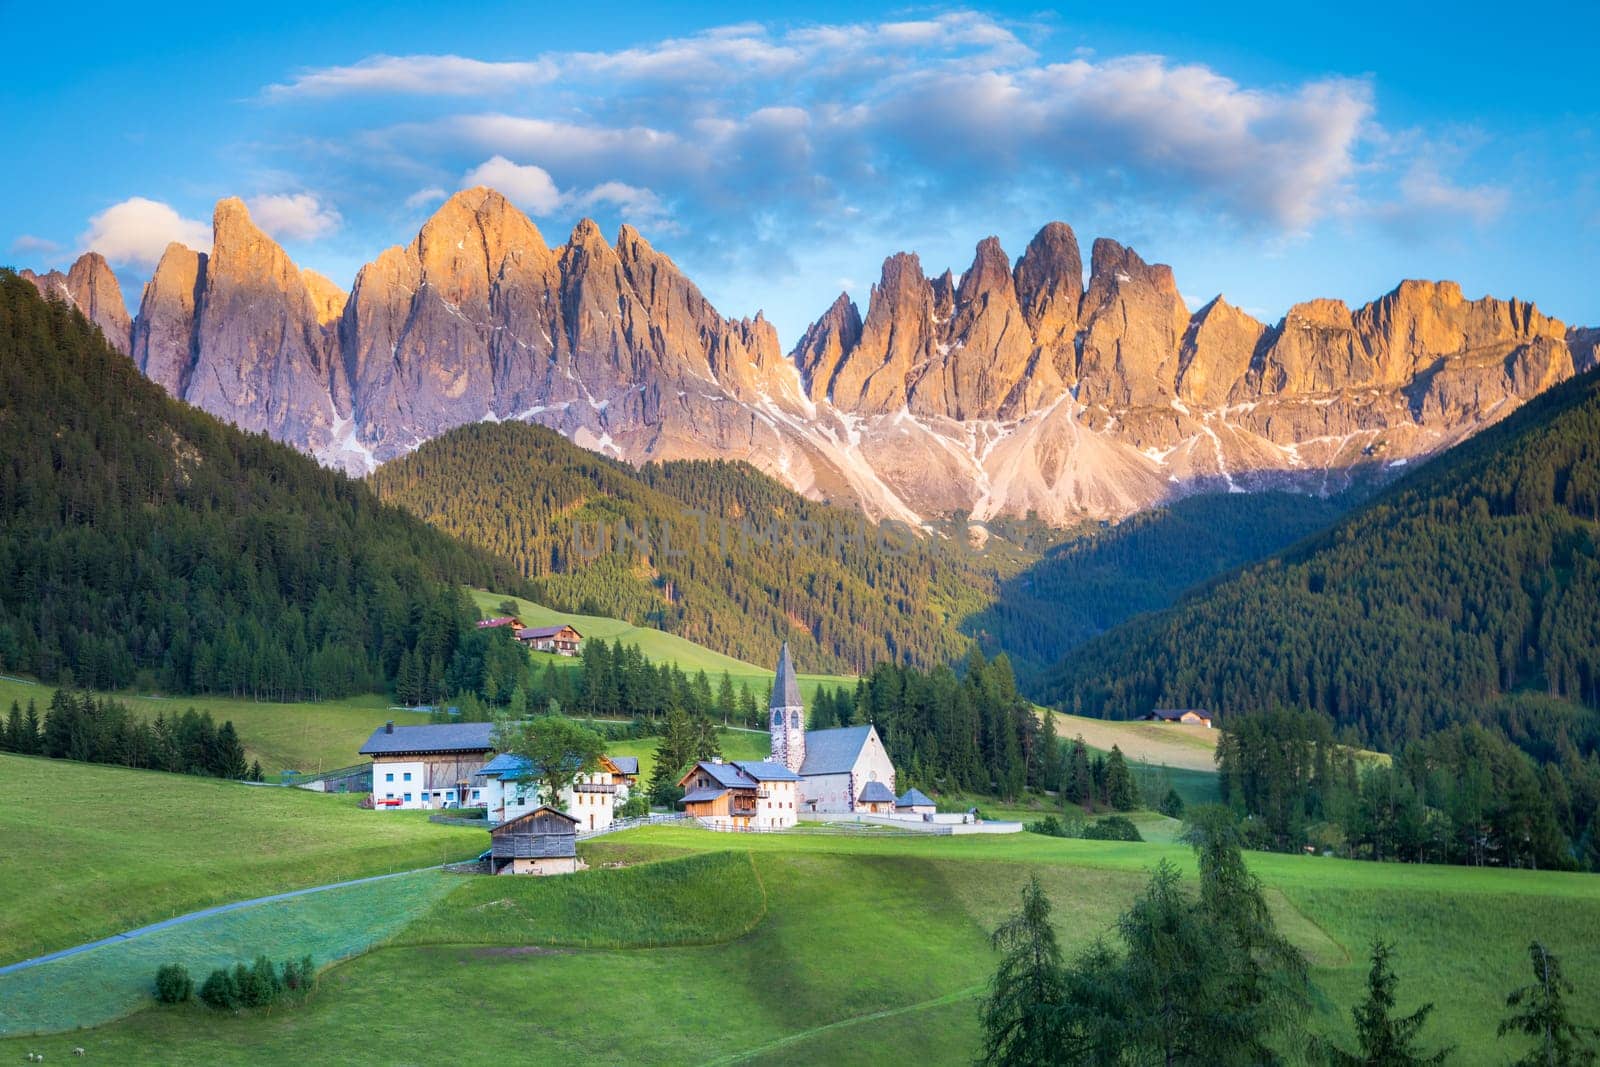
column 786, row 685
column 876, row 793
column 834, row 751
column 914, row 798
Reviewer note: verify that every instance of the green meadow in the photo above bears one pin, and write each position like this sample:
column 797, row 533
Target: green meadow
column 87, row 851
column 682, row 946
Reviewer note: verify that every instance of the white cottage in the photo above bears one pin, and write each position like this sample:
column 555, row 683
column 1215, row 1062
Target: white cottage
column 427, row 767
column 841, row 770
column 510, row 788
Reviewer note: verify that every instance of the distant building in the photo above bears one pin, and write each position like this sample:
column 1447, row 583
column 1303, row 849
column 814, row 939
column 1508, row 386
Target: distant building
column 563, row 640
column 1185, row 716
column 544, row 841
column 499, row 621
column 836, row 767
column 510, row 786
column 753, row 794
column 427, row 767
column 914, row 802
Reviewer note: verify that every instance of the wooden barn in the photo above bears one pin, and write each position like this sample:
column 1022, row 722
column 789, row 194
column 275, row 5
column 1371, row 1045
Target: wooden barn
column 1182, row 716
column 544, row 841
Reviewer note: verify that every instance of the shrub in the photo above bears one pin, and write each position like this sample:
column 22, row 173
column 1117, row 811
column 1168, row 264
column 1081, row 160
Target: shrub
column 173, row 984
column 1112, row 828
column 1172, row 804
column 635, row 807
column 219, row 990
column 1049, row 826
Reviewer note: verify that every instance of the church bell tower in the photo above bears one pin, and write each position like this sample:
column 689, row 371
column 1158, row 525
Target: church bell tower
column 787, row 715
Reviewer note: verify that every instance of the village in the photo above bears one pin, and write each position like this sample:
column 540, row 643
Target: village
column 842, row 774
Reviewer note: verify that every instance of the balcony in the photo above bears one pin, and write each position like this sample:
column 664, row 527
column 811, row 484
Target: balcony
column 594, row 787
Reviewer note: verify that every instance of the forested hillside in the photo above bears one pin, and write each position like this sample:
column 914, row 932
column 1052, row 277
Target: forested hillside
column 1091, row 583
column 1469, row 591
column 143, row 542
column 713, row 551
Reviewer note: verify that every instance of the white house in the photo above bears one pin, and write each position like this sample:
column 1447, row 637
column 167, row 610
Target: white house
column 427, row 767
column 841, row 770
column 511, row 788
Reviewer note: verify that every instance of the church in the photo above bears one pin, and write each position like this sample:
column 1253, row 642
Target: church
column 841, row 770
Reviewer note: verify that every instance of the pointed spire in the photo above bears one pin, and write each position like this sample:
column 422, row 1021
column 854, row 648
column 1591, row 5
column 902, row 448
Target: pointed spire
column 785, row 686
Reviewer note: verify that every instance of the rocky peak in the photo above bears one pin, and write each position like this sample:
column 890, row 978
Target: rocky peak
column 825, row 343
column 327, row 298
column 164, row 333
column 985, row 349
column 262, row 359
column 1049, row 280
column 1216, row 353
column 91, row 287
column 896, row 337
column 1133, row 321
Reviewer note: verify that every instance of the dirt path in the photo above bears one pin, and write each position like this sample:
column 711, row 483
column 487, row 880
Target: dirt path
column 745, row 1055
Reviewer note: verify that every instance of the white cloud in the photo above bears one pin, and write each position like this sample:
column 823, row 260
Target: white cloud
column 1424, row 190
column 293, row 216
column 529, row 187
column 138, row 230
column 424, row 197
column 445, row 75
column 29, row 245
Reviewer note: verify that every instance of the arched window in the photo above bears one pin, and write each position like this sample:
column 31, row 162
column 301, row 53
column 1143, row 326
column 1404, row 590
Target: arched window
column 777, row 718
column 794, row 719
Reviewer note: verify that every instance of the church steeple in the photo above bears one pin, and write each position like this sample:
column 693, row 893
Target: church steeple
column 787, row 715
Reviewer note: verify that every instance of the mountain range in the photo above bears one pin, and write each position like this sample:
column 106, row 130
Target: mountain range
column 1014, row 389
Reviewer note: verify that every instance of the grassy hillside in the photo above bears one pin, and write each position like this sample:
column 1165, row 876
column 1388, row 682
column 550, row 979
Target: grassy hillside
column 658, row 645
column 91, row 851
column 714, row 552
column 830, row 949
column 1469, row 591
column 144, row 543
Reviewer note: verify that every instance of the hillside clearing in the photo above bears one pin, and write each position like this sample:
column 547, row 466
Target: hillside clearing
column 1191, row 748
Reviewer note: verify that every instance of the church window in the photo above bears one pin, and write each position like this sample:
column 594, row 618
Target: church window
column 777, row 718
column 794, row 719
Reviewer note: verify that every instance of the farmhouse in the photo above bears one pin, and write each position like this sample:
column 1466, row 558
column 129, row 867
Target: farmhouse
column 510, row 788
column 499, row 621
column 544, row 841
column 563, row 640
column 837, row 767
column 745, row 793
column 427, row 767
column 1184, row 716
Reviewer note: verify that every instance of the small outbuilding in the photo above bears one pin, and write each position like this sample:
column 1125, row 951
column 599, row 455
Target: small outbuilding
column 914, row 802
column 875, row 799
column 1182, row 716
column 544, row 841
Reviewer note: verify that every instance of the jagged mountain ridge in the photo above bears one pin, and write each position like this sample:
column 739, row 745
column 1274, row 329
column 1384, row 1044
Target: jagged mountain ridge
column 1014, row 388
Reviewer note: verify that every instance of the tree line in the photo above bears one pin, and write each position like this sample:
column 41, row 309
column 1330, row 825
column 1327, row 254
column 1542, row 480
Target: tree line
column 82, row 727
column 1463, row 795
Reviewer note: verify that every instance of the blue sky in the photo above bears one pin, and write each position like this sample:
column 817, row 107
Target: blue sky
column 1271, row 153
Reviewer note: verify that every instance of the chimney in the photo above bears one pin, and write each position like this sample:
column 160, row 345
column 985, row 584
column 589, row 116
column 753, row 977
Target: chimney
column 388, row 727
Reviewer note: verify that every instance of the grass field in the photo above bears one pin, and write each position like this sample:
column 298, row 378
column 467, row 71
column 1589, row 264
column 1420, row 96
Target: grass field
column 810, row 949
column 90, row 851
column 1190, row 748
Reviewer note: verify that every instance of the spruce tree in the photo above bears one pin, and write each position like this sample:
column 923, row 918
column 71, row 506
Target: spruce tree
column 1385, row 1041
column 1121, row 792
column 1540, row 1011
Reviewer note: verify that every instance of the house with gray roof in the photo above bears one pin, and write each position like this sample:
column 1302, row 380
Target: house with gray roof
column 427, row 767
column 743, row 794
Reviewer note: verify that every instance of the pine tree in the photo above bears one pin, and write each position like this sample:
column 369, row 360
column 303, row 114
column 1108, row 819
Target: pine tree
column 11, row 738
column 1385, row 1041
column 1541, row 1012
column 725, row 705
column 1121, row 792
column 1021, row 1014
